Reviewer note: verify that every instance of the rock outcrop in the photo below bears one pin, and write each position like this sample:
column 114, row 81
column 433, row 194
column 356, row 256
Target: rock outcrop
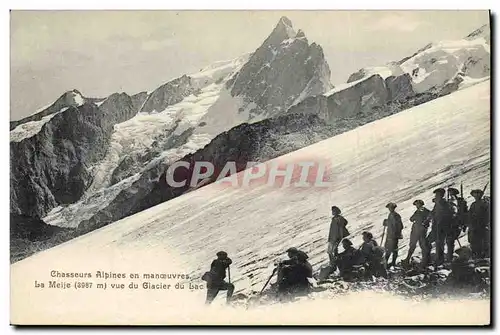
column 54, row 165
column 168, row 94
column 357, row 98
column 69, row 99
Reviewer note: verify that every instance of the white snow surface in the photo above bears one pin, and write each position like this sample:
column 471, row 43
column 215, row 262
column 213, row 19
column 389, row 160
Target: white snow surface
column 78, row 99
column 443, row 61
column 440, row 63
column 399, row 158
column 218, row 71
column 31, row 128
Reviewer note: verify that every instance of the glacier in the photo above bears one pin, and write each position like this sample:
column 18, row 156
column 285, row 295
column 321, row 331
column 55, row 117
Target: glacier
column 399, row 158
column 466, row 61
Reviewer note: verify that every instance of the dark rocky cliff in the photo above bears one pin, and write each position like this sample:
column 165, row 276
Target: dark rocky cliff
column 53, row 166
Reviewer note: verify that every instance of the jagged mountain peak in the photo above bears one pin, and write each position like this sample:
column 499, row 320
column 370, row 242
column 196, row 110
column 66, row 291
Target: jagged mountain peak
column 285, row 21
column 282, row 31
column 295, row 68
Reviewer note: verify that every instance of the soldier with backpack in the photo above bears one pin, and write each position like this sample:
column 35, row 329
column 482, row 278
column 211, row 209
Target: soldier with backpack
column 337, row 232
column 441, row 231
column 293, row 273
column 215, row 278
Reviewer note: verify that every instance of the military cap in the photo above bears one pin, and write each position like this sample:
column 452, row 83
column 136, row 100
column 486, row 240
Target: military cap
column 221, row 254
column 454, row 191
column 336, row 209
column 418, row 202
column 440, row 191
column 391, row 205
column 292, row 250
column 367, row 234
column 479, row 192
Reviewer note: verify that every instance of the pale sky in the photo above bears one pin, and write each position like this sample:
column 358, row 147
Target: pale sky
column 102, row 52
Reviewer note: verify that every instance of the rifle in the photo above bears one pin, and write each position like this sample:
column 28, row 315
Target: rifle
column 484, row 188
column 229, row 273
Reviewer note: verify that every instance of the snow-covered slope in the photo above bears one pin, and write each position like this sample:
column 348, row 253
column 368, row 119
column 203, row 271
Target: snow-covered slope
column 184, row 114
column 444, row 65
column 399, row 158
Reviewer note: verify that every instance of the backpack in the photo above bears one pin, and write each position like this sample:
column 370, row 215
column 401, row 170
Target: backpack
column 207, row 276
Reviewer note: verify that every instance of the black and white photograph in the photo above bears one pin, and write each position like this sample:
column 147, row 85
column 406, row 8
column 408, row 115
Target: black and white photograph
column 250, row 167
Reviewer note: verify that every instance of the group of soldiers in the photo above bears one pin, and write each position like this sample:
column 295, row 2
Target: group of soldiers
column 294, row 275
column 449, row 217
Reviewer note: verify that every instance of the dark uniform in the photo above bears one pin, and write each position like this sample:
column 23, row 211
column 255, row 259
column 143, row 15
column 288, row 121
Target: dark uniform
column 215, row 278
column 348, row 258
column 441, row 232
column 421, row 221
column 462, row 268
column 377, row 266
column 293, row 273
column 337, row 232
column 459, row 212
column 394, row 234
column 372, row 255
column 367, row 249
column 479, row 220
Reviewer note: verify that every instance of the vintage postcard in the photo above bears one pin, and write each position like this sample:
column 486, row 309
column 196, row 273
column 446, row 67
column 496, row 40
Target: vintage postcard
column 250, row 168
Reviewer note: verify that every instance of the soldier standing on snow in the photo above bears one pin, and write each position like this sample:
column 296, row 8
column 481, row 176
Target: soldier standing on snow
column 337, row 232
column 215, row 278
column 442, row 217
column 394, row 228
column 421, row 221
column 479, row 220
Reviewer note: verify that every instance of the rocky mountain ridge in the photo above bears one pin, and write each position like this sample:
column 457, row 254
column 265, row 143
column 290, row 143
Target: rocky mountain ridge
column 85, row 162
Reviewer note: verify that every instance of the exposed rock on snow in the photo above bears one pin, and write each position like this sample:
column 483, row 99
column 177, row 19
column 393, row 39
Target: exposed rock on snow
column 168, row 94
column 69, row 99
column 442, row 67
column 357, row 98
column 53, row 165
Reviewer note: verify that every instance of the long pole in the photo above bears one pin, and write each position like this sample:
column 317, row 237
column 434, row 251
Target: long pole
column 229, row 273
column 268, row 280
column 382, row 239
